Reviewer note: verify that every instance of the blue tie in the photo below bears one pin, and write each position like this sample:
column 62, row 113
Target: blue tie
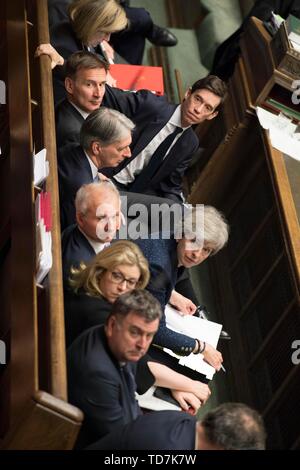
column 143, row 179
column 131, row 387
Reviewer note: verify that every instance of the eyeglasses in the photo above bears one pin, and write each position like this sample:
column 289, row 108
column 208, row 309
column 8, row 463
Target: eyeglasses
column 118, row 278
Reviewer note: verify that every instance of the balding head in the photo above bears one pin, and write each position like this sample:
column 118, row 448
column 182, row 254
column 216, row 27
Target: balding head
column 98, row 210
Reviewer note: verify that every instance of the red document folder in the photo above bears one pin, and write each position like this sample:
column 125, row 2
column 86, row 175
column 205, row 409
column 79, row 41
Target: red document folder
column 138, row 77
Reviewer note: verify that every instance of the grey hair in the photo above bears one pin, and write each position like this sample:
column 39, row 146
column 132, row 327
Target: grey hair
column 139, row 301
column 84, row 194
column 106, row 126
column 206, row 224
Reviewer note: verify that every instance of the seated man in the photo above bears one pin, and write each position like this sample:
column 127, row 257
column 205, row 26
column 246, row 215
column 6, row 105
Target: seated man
column 230, row 426
column 164, row 141
column 98, row 216
column 105, row 364
column 104, row 142
column 203, row 232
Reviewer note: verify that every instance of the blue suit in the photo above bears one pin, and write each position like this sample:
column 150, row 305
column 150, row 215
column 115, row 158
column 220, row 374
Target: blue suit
column 97, row 386
column 159, row 430
column 150, row 113
column 75, row 249
column 74, row 170
column 163, row 262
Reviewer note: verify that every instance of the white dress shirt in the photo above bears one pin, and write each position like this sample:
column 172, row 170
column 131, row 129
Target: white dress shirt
column 134, row 168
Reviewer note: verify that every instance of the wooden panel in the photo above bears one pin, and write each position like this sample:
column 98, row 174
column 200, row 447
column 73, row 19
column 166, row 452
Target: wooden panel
column 23, row 304
column 47, row 424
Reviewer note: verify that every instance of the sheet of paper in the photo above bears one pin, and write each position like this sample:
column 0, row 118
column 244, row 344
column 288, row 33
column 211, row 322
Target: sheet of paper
column 284, row 134
column 150, row 402
column 40, row 167
column 195, row 327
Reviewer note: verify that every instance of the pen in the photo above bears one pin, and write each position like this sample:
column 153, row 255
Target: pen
column 223, row 368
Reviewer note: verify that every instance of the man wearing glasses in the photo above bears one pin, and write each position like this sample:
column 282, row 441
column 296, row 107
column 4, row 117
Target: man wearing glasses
column 164, row 141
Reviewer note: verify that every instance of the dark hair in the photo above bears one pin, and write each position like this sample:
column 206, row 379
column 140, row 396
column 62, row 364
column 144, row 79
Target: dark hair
column 83, row 60
column 140, row 302
column 235, row 426
column 214, row 84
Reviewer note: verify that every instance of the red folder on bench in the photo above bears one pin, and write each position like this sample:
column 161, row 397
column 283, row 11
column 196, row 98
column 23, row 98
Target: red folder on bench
column 138, row 77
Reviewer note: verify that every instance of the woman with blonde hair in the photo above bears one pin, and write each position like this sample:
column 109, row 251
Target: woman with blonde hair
column 95, row 286
column 89, row 23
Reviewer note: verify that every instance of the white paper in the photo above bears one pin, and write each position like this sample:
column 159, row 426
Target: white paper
column 195, row 327
column 282, row 132
column 150, row 402
column 41, row 167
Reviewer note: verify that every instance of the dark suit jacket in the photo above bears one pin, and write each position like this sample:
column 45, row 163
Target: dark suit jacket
column 97, row 387
column 160, row 430
column 83, row 311
column 163, row 262
column 74, row 170
column 150, row 113
column 68, row 122
column 75, row 249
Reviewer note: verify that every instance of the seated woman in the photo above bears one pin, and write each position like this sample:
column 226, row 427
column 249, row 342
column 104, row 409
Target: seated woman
column 90, row 23
column 95, row 286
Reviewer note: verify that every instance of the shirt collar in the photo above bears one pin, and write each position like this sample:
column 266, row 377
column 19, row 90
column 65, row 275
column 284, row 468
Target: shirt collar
column 94, row 168
column 97, row 246
column 84, row 114
column 175, row 119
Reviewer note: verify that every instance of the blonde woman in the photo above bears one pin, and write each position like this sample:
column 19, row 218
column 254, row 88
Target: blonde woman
column 95, row 286
column 90, row 23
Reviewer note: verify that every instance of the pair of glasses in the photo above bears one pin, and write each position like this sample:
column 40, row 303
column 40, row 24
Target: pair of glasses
column 118, row 278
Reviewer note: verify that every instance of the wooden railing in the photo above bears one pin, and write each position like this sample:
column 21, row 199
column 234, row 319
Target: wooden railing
column 33, row 381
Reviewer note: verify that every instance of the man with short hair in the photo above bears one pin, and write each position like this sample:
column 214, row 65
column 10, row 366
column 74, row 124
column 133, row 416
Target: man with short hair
column 85, row 79
column 163, row 142
column 98, row 216
column 230, row 426
column 105, row 138
column 106, row 364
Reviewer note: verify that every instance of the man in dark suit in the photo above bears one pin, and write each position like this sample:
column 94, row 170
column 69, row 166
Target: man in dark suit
column 104, row 142
column 105, row 366
column 162, row 130
column 98, row 215
column 230, row 426
column 164, row 142
column 202, row 232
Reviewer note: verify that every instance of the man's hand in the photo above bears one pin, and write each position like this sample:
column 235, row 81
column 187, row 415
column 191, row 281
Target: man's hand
column 47, row 49
column 181, row 303
column 187, row 401
column 201, row 391
column 212, row 356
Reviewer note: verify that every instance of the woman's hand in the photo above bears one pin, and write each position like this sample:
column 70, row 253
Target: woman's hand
column 183, row 304
column 47, row 49
column 187, row 401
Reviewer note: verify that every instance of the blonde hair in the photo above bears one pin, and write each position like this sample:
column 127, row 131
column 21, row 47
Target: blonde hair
column 88, row 276
column 89, row 17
